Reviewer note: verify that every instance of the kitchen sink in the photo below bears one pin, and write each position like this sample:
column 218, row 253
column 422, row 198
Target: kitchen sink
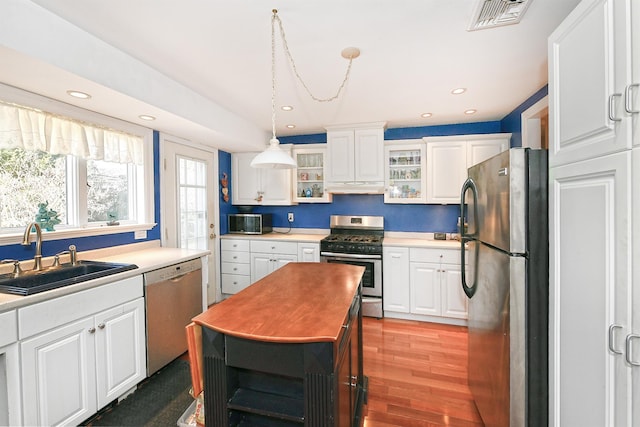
column 33, row 282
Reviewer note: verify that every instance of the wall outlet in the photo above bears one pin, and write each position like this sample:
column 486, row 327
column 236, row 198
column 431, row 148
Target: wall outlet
column 140, row 234
column 290, row 217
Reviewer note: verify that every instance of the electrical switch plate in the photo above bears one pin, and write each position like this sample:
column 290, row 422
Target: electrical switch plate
column 290, row 217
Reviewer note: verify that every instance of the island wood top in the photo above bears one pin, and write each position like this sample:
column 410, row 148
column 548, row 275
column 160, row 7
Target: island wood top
column 300, row 302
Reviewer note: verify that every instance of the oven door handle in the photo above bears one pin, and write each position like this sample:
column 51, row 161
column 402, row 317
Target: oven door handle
column 350, row 256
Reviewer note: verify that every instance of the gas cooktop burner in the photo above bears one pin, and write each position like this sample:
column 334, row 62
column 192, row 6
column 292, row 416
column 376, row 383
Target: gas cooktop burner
column 353, row 238
column 354, row 235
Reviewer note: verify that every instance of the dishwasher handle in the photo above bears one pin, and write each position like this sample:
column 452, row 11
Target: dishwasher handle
column 172, row 273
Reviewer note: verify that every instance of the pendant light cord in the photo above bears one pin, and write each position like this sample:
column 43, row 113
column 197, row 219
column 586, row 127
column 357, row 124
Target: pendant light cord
column 275, row 18
column 273, row 73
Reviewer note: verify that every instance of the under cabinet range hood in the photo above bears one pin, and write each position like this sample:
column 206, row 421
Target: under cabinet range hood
column 355, row 187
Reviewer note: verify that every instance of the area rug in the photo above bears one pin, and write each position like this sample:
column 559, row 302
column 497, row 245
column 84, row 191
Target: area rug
column 160, row 400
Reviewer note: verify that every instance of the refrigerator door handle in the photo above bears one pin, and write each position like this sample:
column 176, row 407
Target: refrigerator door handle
column 465, row 237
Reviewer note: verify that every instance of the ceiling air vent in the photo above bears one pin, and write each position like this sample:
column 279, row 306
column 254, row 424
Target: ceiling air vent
column 493, row 13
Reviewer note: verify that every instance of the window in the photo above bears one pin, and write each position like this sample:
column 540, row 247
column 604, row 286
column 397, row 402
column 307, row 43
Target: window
column 28, row 179
column 104, row 176
column 108, row 191
column 81, row 192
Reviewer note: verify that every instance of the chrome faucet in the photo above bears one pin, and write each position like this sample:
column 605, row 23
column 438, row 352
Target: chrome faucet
column 26, row 241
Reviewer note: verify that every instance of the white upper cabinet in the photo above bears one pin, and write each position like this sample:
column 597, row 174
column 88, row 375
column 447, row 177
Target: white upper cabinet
column 446, row 170
column 255, row 186
column 309, row 178
column 355, row 158
column 449, row 157
column 587, row 115
column 481, row 149
column 405, row 178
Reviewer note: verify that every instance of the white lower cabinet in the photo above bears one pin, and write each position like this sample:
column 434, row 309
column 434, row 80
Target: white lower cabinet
column 395, row 279
column 269, row 255
column 308, row 252
column 120, row 341
column 10, row 414
column 245, row 261
column 235, row 265
column 74, row 368
column 423, row 284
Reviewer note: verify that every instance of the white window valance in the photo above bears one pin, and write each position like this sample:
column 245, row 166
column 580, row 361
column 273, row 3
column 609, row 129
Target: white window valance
column 30, row 129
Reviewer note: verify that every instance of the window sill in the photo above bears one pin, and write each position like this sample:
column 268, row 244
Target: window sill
column 69, row 233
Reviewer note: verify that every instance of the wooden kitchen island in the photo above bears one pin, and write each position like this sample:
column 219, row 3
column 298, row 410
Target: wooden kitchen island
column 287, row 350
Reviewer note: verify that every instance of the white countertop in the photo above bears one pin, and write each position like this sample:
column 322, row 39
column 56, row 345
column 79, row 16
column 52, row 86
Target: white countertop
column 147, row 256
column 421, row 243
column 293, row 236
column 419, row 240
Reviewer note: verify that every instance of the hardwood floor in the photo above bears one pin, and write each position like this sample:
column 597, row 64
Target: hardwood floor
column 417, row 374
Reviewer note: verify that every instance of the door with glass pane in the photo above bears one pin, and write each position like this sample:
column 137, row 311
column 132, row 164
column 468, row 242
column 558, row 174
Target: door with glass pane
column 189, row 202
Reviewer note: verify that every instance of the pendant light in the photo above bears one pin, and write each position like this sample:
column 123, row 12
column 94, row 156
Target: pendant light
column 273, row 157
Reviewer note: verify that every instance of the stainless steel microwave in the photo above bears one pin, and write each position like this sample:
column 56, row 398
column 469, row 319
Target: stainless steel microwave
column 249, row 223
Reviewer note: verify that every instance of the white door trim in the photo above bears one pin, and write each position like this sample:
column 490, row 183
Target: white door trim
column 530, row 119
column 214, row 293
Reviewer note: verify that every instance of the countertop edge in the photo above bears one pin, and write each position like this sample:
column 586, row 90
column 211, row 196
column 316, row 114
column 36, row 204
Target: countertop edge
column 293, row 237
column 146, row 258
column 420, row 243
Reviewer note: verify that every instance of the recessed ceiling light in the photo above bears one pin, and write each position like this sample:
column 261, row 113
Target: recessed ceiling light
column 470, row 111
column 291, row 126
column 78, row 94
column 426, row 115
column 147, row 117
column 286, row 108
column 459, row 90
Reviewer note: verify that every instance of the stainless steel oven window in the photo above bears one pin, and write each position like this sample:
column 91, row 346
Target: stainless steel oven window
column 372, row 278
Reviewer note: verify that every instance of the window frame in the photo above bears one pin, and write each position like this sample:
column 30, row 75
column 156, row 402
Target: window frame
column 142, row 183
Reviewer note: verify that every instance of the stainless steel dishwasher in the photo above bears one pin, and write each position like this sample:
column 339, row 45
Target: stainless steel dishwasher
column 173, row 296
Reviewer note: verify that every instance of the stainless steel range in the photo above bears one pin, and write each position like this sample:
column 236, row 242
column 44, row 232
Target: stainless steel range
column 357, row 240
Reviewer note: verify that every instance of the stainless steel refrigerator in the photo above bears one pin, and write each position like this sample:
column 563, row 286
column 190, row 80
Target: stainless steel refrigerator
column 504, row 206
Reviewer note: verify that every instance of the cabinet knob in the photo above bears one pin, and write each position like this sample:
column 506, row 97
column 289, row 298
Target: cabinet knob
column 92, row 330
column 101, row 326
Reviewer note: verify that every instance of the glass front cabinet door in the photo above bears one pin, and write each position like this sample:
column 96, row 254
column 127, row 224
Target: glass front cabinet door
column 404, row 172
column 310, row 175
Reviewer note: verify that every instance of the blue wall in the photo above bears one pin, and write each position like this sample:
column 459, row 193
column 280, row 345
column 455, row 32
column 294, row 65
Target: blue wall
column 398, row 217
column 52, row 247
column 512, row 122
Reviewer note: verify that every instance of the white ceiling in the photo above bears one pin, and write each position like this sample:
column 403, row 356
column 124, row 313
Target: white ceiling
column 203, row 67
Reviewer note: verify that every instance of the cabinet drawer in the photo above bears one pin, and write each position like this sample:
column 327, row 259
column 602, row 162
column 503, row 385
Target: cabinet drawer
column 234, row 245
column 274, row 247
column 9, row 330
column 233, row 283
column 234, row 256
column 235, row 268
column 446, row 256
